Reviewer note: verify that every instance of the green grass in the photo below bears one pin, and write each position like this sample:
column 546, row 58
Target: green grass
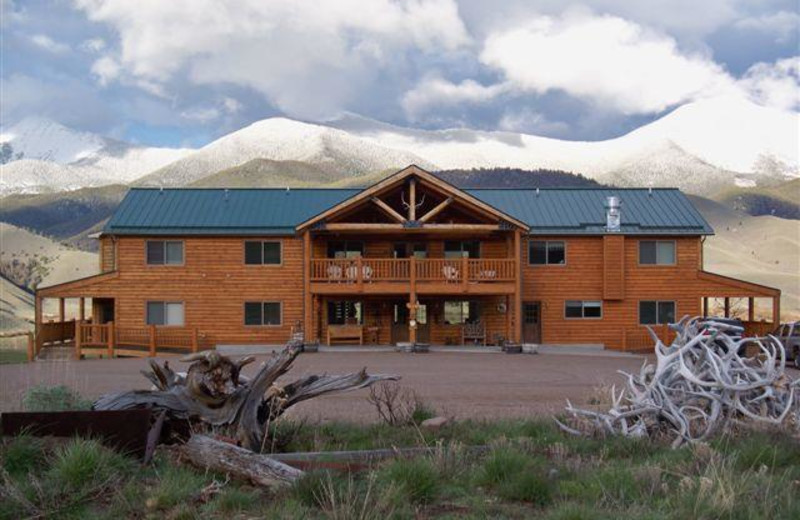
column 53, row 399
column 11, row 356
column 530, row 470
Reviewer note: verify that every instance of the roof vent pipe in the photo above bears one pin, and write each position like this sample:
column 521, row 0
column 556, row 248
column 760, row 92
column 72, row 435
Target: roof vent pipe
column 226, row 194
column 537, row 192
column 612, row 205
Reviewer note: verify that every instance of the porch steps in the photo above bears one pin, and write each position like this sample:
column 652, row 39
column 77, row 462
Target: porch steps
column 59, row 353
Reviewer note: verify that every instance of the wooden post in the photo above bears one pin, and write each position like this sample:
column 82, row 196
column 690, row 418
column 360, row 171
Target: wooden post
column 464, row 272
column 61, row 318
column 727, row 307
column 31, row 347
column 78, row 341
column 412, row 300
column 705, row 306
column 518, row 288
column 308, row 304
column 751, row 309
column 359, row 273
column 81, row 309
column 412, row 200
column 776, row 311
column 112, row 339
column 508, row 318
column 61, row 310
column 195, row 340
column 152, row 341
column 37, row 328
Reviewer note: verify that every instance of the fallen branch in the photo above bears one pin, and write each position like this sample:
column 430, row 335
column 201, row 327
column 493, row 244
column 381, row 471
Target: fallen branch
column 210, row 454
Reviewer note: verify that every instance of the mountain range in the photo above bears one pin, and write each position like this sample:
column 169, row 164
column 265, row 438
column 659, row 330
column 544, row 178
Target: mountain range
column 703, row 147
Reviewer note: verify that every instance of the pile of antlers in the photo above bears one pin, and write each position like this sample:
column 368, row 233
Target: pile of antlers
column 698, row 385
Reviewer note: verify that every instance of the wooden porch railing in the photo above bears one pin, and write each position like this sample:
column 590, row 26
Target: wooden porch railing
column 108, row 339
column 638, row 339
column 367, row 270
column 758, row 328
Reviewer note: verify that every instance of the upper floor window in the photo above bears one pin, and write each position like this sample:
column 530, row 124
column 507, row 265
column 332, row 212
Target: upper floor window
column 462, row 248
column 409, row 249
column 345, row 249
column 583, row 309
column 262, row 313
column 165, row 313
column 257, row 252
column 657, row 252
column 547, row 252
column 164, row 252
column 656, row 312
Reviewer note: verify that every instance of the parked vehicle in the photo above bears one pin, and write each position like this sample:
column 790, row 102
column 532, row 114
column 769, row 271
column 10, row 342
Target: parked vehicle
column 789, row 336
column 733, row 327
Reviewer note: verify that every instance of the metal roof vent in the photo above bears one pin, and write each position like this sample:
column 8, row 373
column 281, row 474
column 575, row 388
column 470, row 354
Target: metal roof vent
column 613, row 204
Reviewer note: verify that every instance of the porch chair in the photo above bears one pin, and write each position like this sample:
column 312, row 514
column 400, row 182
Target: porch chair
column 450, row 273
column 474, row 332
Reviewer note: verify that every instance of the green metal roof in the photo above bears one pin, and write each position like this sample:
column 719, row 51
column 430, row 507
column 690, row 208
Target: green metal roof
column 270, row 211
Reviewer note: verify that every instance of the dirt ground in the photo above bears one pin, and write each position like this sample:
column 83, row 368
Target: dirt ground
column 464, row 385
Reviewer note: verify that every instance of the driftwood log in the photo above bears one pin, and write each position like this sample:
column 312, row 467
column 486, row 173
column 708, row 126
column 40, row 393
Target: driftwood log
column 698, row 385
column 213, row 392
column 207, row 453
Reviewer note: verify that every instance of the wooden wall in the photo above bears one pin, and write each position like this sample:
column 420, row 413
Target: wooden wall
column 107, row 254
column 587, row 277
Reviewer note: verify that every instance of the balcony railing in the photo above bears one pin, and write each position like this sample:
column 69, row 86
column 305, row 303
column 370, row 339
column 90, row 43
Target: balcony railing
column 443, row 270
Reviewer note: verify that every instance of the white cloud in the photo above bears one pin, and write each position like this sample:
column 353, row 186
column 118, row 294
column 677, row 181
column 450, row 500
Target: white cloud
column 48, row 44
column 93, row 45
column 610, row 61
column 783, row 25
column 775, row 84
column 231, row 105
column 527, row 120
column 106, row 70
column 201, row 114
column 437, row 92
column 309, row 58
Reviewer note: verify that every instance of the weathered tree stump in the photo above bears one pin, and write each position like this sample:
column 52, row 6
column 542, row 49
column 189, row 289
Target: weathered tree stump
column 214, row 393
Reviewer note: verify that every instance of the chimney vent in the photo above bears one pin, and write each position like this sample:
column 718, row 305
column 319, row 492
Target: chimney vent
column 613, row 204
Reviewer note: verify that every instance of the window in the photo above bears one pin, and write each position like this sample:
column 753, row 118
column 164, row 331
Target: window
column 547, row 252
column 462, row 248
column 262, row 313
column 165, row 313
column 164, row 252
column 460, row 312
column 406, row 249
column 656, row 313
column 257, row 252
column 345, row 313
column 583, row 309
column 657, row 252
column 345, row 249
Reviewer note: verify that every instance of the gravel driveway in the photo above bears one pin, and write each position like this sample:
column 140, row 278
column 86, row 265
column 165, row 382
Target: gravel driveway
column 464, row 385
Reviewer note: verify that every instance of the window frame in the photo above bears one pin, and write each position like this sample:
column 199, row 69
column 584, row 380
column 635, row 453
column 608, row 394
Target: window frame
column 358, row 309
column 583, row 310
column 346, row 249
column 262, row 242
column 658, row 303
column 164, row 243
column 461, row 249
column 261, row 304
column 164, row 303
column 656, row 263
column 546, row 252
column 464, row 317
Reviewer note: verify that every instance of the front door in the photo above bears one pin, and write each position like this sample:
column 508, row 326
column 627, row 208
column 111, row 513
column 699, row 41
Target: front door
column 531, row 322
column 400, row 323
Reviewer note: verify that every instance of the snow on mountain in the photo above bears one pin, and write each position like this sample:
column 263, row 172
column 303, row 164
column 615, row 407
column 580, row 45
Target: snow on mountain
column 728, row 134
column 39, row 155
column 281, row 139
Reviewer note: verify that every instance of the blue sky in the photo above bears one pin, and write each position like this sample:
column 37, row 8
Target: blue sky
column 183, row 72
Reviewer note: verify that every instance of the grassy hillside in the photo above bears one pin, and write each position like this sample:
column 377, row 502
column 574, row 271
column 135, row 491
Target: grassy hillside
column 62, row 215
column 16, row 306
column 266, row 173
column 779, row 201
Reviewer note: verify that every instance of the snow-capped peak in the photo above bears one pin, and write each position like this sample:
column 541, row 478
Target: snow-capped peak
column 46, row 140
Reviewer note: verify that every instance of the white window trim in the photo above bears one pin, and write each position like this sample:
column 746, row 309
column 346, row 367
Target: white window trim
column 164, row 242
column 165, row 303
column 656, row 264
column 583, row 305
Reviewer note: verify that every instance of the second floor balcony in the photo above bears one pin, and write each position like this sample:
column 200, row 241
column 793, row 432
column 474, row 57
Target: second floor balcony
column 435, row 275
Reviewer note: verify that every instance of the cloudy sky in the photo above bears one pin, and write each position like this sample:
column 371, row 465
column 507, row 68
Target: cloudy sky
column 183, row 72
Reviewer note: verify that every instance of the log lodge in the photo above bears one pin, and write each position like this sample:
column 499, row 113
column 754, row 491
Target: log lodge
column 409, row 259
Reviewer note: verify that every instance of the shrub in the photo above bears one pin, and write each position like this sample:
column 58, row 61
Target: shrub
column 22, row 454
column 176, row 485
column 416, row 479
column 84, row 465
column 347, row 499
column 531, row 485
column 53, row 399
column 502, row 463
column 398, row 406
column 310, row 488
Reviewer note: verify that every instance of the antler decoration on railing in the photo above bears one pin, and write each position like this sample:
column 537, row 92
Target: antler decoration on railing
column 698, row 385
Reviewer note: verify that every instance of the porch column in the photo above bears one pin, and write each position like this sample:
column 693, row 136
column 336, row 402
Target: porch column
column 412, row 300
column 61, row 310
column 727, row 307
column 776, row 310
column 705, row 306
column 308, row 302
column 37, row 322
column 518, row 286
column 508, row 317
column 751, row 309
column 81, row 309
